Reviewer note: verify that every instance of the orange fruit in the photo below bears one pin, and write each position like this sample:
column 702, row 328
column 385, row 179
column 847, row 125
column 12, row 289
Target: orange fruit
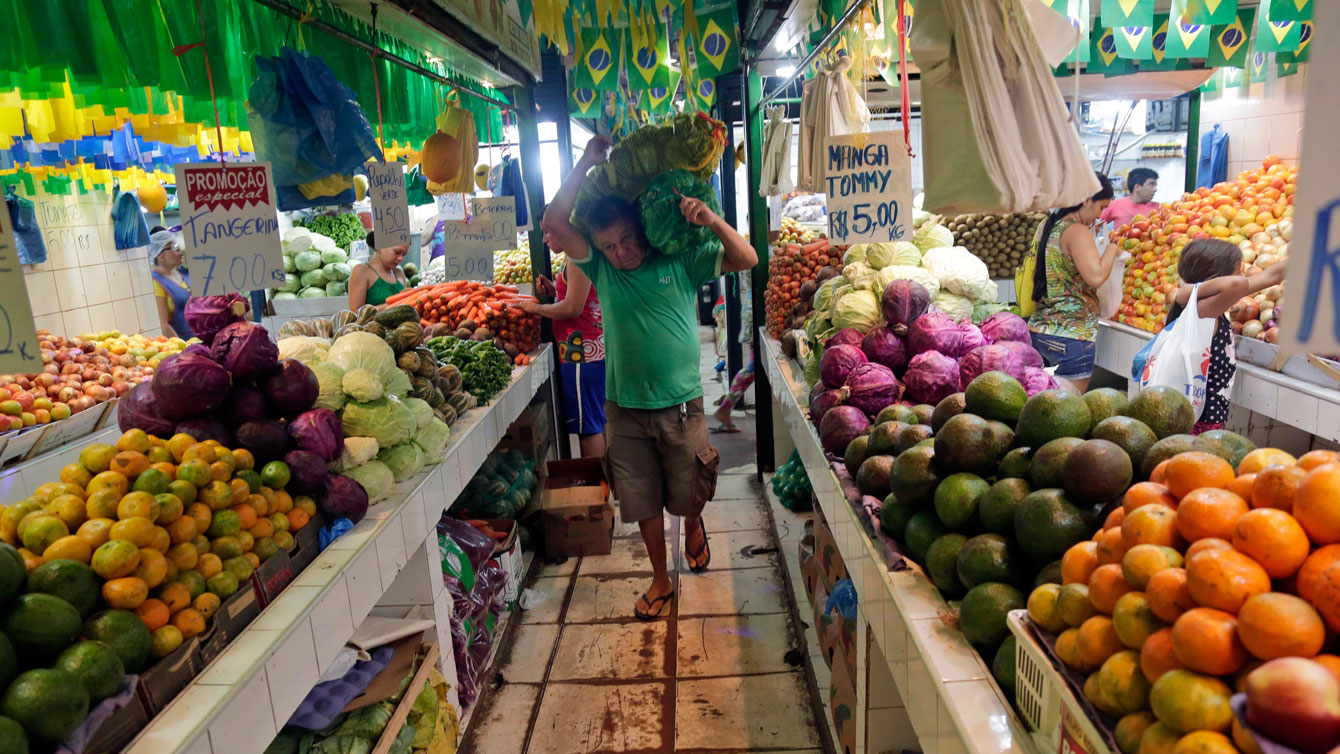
column 1330, row 662
column 153, row 613
column 1106, row 586
column 1225, row 579
column 1168, row 595
column 125, row 593
column 1307, row 462
column 129, row 463
column 1274, row 539
column 206, row 604
column 1114, row 519
column 69, row 547
column 1121, row 683
column 96, row 531
column 1319, row 583
column 1147, row 493
column 1111, row 547
column 1133, row 620
column 1097, row 640
column 202, row 515
column 175, row 596
column 1257, row 460
column 1204, row 742
column 102, row 504
column 115, row 559
column 1206, row 640
column 209, row 564
column 1141, row 562
column 253, row 559
column 152, row 568
column 1242, row 486
column 263, row 528
column 1067, row 650
column 260, row 503
column 1209, row 543
column 184, row 556
column 1157, row 656
column 1078, row 563
column 1158, row 739
column 283, row 502
column 246, row 514
column 182, row 530
column 1280, row 625
column 138, row 530
column 1245, row 741
column 1275, row 487
column 1157, row 475
column 1193, row 470
column 189, row 621
column 1209, row 512
column 1186, row 701
column 243, row 459
column 1314, row 505
column 1130, row 728
column 1151, row 525
column 240, row 490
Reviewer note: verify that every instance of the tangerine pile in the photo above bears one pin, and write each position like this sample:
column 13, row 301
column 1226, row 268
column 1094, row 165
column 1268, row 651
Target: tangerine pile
column 1202, row 574
column 168, row 528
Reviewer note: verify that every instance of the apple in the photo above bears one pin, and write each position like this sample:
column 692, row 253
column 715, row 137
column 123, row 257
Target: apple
column 60, row 411
column 1295, row 702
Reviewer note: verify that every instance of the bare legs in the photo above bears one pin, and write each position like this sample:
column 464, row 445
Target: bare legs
column 653, row 536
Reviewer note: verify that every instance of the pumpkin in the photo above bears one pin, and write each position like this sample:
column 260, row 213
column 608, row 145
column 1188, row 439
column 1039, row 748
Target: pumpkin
column 440, row 160
column 153, row 197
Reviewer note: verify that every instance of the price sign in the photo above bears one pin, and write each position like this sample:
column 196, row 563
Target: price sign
column 869, row 187
column 451, row 207
column 231, row 227
column 390, row 205
column 19, row 353
column 470, row 245
column 498, row 216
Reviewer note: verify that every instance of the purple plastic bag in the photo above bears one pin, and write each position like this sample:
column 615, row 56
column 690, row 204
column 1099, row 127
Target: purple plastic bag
column 478, row 546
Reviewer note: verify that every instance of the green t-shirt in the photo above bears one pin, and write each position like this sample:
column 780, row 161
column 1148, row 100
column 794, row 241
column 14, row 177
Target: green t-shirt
column 650, row 316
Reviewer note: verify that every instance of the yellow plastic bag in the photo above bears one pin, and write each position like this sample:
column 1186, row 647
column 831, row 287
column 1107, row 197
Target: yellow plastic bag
column 458, row 122
column 1023, row 286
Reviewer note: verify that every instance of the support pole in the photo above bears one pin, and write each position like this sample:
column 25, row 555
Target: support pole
column 1192, row 139
column 758, row 235
column 734, row 353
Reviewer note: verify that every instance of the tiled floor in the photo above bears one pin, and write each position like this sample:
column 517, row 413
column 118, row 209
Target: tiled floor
column 724, row 671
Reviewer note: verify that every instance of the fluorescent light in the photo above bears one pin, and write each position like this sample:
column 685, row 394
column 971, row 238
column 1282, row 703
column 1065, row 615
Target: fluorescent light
column 781, row 43
column 786, row 70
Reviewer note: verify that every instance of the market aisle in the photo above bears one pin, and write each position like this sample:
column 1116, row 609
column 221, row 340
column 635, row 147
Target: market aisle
column 723, row 672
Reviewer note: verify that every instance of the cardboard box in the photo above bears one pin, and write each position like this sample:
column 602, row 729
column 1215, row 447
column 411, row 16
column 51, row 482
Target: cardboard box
column 163, row 680
column 842, row 705
column 530, row 432
column 120, row 728
column 831, row 567
column 575, row 512
column 234, row 615
column 508, row 556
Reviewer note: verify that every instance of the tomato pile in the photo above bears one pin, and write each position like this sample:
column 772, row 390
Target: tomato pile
column 1246, row 211
column 791, row 282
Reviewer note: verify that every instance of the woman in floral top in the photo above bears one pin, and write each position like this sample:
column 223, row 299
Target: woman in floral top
column 1065, row 283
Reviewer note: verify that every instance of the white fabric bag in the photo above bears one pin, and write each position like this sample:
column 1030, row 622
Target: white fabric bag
column 776, row 178
column 1109, row 293
column 1180, row 355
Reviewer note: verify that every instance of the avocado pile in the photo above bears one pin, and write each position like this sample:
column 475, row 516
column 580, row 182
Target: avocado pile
column 991, row 490
column 58, row 658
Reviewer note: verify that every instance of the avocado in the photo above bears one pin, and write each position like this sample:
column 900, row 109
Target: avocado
column 1047, row 523
column 948, row 407
column 1048, row 462
column 996, row 396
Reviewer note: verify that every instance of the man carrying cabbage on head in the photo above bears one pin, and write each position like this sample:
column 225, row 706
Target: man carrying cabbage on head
column 659, row 458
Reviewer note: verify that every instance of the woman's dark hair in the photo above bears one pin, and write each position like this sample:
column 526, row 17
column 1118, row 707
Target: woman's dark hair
column 1205, row 259
column 1040, row 249
column 608, row 210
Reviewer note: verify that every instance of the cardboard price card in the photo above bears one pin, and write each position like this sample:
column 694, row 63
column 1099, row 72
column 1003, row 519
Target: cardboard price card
column 230, row 223
column 19, row 352
column 869, row 186
column 390, row 203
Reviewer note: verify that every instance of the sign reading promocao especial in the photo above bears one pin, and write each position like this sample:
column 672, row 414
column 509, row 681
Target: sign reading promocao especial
column 868, row 180
column 230, row 226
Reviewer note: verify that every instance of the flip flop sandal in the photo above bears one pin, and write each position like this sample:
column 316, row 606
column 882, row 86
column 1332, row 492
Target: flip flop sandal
column 705, row 549
column 726, row 429
column 657, row 605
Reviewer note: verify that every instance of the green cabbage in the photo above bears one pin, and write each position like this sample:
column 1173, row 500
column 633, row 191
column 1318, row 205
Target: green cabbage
column 433, row 437
column 900, row 272
column 363, row 350
column 812, row 366
column 421, row 410
column 313, row 277
column 961, row 272
column 823, row 297
column 331, row 256
column 932, row 236
column 404, row 460
column 858, row 310
column 361, row 385
column 284, row 296
column 312, row 292
column 290, row 265
column 337, row 271
column 307, row 261
column 386, row 420
column 336, row 288
column 855, row 253
column 860, row 274
column 329, row 377
column 357, row 451
column 904, row 253
column 377, row 480
column 956, row 306
column 399, row 385
column 305, row 348
column 983, row 309
column 292, row 283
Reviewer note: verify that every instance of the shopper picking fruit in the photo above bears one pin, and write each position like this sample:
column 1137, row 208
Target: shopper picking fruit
column 659, row 455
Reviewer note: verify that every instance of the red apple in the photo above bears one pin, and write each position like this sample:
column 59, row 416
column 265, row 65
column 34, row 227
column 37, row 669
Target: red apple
column 1295, row 702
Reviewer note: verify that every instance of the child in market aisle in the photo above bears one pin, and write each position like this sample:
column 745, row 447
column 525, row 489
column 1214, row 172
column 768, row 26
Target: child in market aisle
column 1217, row 267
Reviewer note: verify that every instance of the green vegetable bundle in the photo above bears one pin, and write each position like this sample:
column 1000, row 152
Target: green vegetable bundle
column 687, row 142
column 485, row 368
column 667, row 229
column 342, row 229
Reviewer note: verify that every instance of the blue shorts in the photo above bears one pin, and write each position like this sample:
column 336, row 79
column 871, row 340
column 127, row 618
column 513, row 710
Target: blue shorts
column 1073, row 358
column 584, row 397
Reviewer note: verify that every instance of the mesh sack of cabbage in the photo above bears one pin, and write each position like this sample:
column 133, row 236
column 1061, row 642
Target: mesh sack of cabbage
column 668, row 231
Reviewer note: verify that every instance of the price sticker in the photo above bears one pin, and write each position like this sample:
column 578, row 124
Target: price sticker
column 869, row 187
column 450, row 207
column 230, row 223
column 19, row 353
column 390, row 203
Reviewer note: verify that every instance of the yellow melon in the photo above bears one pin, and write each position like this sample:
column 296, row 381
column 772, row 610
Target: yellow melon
column 440, row 160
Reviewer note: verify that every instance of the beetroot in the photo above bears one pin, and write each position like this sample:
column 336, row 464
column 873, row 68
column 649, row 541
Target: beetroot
column 1006, row 326
column 882, row 346
column 873, row 386
column 837, row 362
column 821, row 403
column 931, row 377
column 840, row 426
column 903, row 301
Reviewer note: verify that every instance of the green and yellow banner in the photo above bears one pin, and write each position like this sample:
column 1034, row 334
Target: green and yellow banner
column 1186, row 40
column 659, row 100
column 598, row 59
column 1103, row 58
column 647, row 54
column 1289, row 10
column 1134, row 42
column 716, row 44
column 583, row 103
column 1119, row 13
column 1229, row 43
column 1204, row 12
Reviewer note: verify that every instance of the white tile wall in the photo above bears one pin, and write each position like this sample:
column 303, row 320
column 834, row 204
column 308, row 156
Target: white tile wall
column 1262, row 119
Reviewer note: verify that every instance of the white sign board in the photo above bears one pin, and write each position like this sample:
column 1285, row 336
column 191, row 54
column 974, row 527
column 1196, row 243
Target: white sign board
column 230, row 224
column 19, row 353
column 390, row 203
column 1312, row 323
column 470, row 245
column 868, row 180
column 499, row 216
column 450, row 207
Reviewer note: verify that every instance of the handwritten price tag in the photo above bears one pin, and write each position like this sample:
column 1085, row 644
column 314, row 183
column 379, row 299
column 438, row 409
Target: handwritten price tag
column 869, row 187
column 231, row 227
column 390, row 205
column 498, row 217
column 19, row 353
column 450, row 206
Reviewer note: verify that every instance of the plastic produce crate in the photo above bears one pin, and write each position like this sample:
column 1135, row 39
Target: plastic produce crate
column 1055, row 718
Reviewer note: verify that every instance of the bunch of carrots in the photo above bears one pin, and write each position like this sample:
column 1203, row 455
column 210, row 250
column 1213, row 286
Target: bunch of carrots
column 791, row 267
column 463, row 308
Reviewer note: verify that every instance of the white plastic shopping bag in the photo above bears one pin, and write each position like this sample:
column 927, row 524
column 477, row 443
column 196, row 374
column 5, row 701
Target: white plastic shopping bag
column 1180, row 355
column 1109, row 293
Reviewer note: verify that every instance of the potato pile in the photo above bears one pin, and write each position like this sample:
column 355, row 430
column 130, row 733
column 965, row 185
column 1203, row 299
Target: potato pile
column 999, row 240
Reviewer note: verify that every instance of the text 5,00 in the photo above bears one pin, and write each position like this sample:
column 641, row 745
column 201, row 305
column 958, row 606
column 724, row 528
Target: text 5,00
column 866, row 217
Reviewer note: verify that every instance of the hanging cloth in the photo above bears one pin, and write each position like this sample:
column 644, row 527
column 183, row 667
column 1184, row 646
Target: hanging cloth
column 1212, row 164
column 830, row 106
column 27, row 236
column 510, row 184
column 459, row 123
column 131, row 231
column 776, row 177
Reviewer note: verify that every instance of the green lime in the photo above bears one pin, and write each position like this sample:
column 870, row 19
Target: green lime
column 275, row 475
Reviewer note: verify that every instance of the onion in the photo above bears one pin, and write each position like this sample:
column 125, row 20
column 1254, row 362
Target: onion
column 1252, row 328
column 1272, row 334
column 1267, row 314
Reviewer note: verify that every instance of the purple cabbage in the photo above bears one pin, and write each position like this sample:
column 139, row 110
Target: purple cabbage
column 320, row 432
column 931, row 377
column 267, row 440
column 207, row 315
column 882, row 346
column 189, row 384
column 1036, row 380
column 841, row 425
column 307, row 473
column 935, row 331
column 993, row 358
column 837, row 362
column 1006, row 326
column 821, row 403
column 972, row 338
column 344, row 498
column 139, row 410
column 206, row 428
column 873, row 386
column 245, row 350
column 1028, row 355
column 847, row 336
column 244, row 404
column 903, row 302
column 291, row 389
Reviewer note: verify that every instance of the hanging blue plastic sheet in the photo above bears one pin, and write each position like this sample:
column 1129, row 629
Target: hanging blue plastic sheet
column 130, row 229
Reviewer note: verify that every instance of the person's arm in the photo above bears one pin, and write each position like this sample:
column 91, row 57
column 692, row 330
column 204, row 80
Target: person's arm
column 557, row 217
column 1093, row 267
column 165, row 319
column 738, row 255
column 358, row 287
column 579, row 287
column 1219, row 295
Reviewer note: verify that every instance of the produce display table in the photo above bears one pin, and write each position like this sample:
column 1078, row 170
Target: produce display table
column 1294, row 400
column 239, row 702
column 954, row 703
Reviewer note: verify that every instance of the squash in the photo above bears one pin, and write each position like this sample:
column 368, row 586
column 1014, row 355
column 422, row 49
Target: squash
column 447, row 414
column 396, row 315
column 340, row 319
column 409, row 334
column 440, row 160
column 296, row 327
column 365, row 314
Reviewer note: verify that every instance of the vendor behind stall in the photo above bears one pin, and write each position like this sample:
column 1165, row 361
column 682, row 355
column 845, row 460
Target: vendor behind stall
column 380, row 277
column 172, row 286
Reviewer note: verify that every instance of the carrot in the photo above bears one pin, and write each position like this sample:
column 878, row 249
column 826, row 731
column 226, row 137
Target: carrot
column 815, row 246
column 402, row 295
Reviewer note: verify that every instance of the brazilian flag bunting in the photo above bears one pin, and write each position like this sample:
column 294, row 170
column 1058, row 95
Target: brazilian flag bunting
column 705, row 92
column 1215, row 82
column 1284, row 66
column 1228, row 44
column 659, row 100
column 1257, row 66
column 716, row 46
column 1274, row 35
column 583, row 103
column 1160, row 61
column 1119, row 13
column 1205, row 12
column 647, row 54
column 1233, row 77
column 598, row 64
column 1290, row 10
column 1304, row 40
column 1186, row 40
column 1134, row 42
column 1104, row 54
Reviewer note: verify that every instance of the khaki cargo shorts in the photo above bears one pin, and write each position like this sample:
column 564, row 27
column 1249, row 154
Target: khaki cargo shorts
column 659, row 459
